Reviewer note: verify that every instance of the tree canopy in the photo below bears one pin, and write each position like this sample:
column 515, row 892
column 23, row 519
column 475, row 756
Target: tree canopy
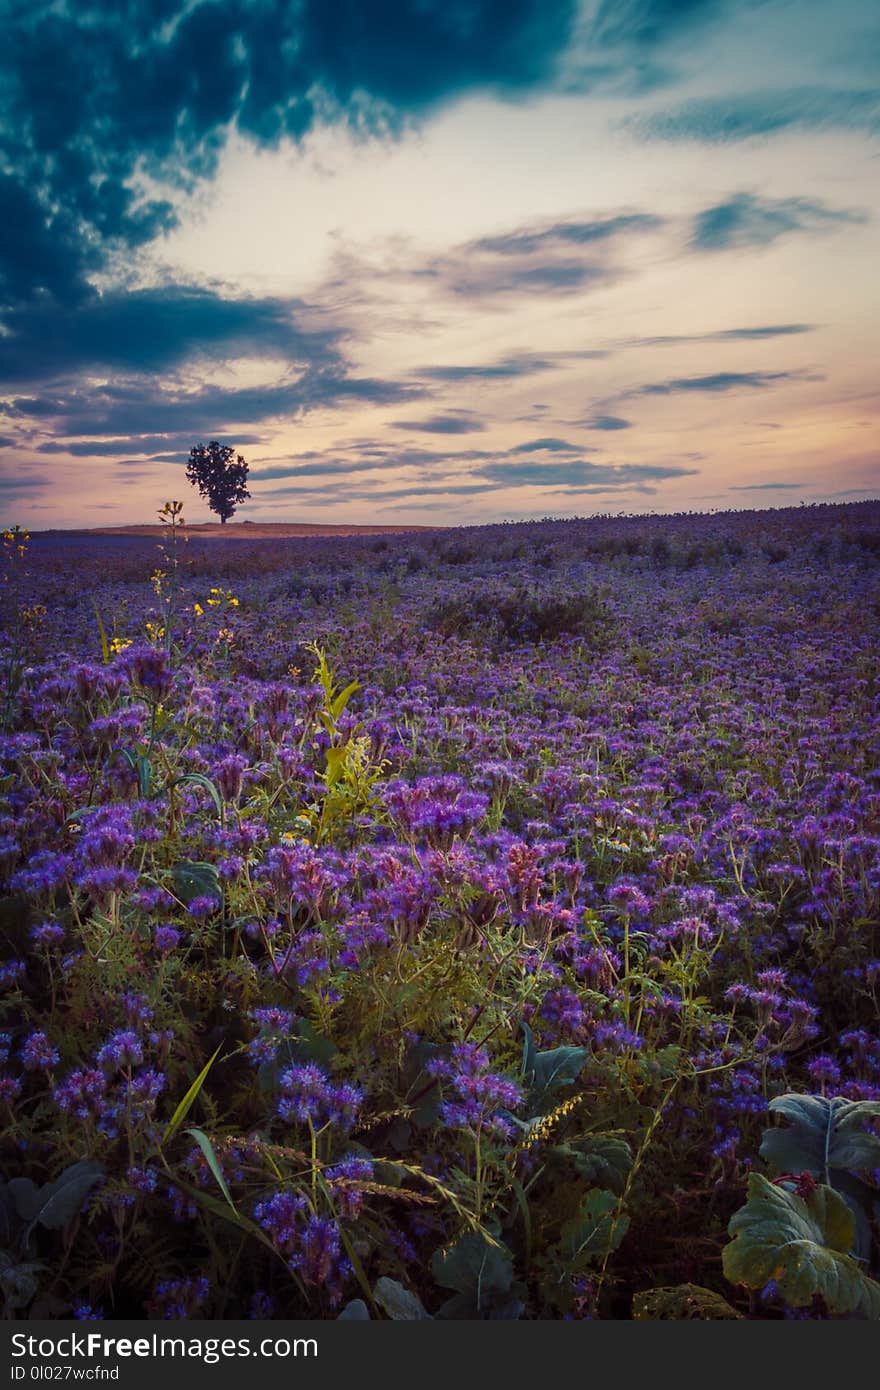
column 220, row 476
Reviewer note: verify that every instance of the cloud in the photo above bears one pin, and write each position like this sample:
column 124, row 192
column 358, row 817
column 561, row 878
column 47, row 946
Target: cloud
column 23, row 484
column 508, row 368
column 607, row 422
column 464, row 422
column 138, row 90
column 548, row 258
column 529, row 241
column 548, row 445
column 748, row 220
column 750, row 115
column 135, row 406
column 581, row 473
column 724, row 335
column 767, row 487
column 715, row 383
column 153, row 330
column 133, row 444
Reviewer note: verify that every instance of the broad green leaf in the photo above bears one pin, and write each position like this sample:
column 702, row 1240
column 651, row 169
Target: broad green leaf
column 185, row 1105
column 18, row 1282
column 821, row 1135
column 193, row 878
column 309, row 1046
column 803, row 1245
column 603, row 1160
column 681, row 1303
column 56, row 1203
column 335, row 758
column 475, row 1268
column 398, row 1302
column 551, row 1071
column 355, row 1310
column 207, row 1149
column 593, row 1232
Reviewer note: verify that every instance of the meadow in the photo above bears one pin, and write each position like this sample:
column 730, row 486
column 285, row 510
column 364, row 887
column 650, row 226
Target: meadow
column 476, row 923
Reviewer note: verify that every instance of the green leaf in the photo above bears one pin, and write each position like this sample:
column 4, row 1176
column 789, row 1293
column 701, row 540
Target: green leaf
column 207, row 1149
column 593, row 1232
column 145, row 775
column 803, row 1245
column 185, row 1105
column 602, row 1160
column 18, row 1282
column 335, row 759
column 527, row 1070
column 193, row 878
column 57, row 1203
column 341, row 700
column 355, row 1310
column 198, row 779
column 821, row 1135
column 551, row 1071
column 309, row 1046
column 398, row 1302
column 683, row 1302
column 476, row 1268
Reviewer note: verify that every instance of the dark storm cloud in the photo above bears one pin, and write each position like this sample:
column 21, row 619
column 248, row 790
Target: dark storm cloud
column 134, row 407
column 747, row 220
column 92, row 96
column 747, row 115
column 153, row 330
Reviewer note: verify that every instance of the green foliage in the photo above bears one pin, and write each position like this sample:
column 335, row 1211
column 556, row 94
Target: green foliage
column 19, row 1281
column 804, row 1245
column 598, row 1159
column 185, row 1105
column 822, row 1135
column 399, row 1303
column 350, row 775
column 682, row 1303
column 193, row 879
column 545, row 1073
column 55, row 1204
column 480, row 1270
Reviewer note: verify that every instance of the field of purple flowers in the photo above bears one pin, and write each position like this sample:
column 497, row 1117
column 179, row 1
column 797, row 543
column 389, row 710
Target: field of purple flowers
column 466, row 924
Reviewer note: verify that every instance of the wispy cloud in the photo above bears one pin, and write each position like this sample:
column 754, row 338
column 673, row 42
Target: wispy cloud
column 748, row 220
column 768, row 487
column 750, row 115
column 463, row 422
column 714, row 383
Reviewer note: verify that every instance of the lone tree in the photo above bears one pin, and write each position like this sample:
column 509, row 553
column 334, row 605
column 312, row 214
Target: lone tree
column 220, row 475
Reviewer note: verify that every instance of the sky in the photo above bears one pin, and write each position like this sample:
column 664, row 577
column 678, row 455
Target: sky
column 438, row 261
